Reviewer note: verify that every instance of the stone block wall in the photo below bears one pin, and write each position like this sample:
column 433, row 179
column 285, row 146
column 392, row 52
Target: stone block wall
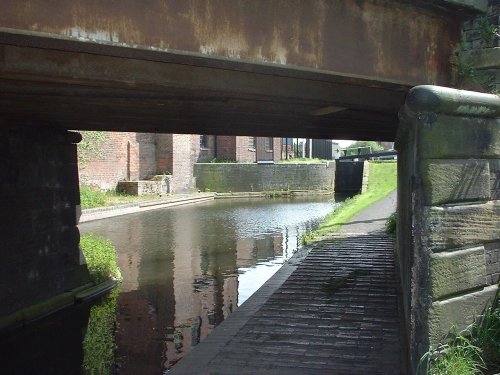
column 448, row 210
column 38, row 208
column 239, row 177
column 156, row 186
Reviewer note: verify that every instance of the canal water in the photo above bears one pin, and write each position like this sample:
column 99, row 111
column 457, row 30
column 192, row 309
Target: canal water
column 185, row 269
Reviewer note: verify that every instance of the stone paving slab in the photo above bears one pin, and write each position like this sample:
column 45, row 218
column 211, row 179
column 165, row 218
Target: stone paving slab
column 336, row 312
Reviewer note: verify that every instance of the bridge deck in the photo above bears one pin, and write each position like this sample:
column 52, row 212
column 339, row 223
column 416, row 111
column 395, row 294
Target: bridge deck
column 335, row 313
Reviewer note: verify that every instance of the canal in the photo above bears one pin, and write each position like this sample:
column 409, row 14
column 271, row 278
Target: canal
column 185, row 269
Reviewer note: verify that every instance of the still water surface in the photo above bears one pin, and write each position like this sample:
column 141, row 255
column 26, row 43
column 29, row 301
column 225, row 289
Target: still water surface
column 186, row 269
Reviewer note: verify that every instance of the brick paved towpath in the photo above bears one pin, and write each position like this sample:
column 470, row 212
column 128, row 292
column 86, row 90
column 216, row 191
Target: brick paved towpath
column 333, row 311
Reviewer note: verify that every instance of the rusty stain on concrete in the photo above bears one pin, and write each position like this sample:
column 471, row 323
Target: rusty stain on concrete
column 386, row 39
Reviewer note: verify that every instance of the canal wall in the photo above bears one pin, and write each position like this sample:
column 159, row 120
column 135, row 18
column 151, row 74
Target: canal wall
column 448, row 211
column 243, row 177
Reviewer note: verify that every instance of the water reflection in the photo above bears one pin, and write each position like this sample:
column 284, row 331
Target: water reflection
column 186, row 269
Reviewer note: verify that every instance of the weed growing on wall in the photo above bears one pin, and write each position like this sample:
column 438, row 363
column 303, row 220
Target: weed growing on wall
column 391, row 224
column 476, row 350
column 99, row 343
column 100, row 255
column 91, row 146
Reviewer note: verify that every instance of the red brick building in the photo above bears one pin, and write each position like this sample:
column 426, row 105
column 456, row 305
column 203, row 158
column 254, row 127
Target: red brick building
column 240, row 149
column 108, row 157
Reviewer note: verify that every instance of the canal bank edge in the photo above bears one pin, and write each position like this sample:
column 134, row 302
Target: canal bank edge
column 105, row 212
column 40, row 310
column 90, row 291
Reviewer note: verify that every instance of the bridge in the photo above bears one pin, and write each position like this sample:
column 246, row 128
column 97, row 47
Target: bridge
column 315, row 69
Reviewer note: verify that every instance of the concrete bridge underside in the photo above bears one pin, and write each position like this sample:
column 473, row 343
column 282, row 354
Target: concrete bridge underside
column 321, row 69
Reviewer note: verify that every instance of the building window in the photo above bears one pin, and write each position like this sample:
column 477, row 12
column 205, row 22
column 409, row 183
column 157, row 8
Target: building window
column 203, row 141
column 252, row 143
column 269, row 144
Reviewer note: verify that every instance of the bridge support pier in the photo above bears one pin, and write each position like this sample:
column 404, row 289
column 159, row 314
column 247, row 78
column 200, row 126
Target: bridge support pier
column 39, row 199
column 448, row 211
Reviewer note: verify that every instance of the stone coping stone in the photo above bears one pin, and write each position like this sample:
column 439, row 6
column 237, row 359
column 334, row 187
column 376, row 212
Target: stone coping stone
column 51, row 305
column 448, row 101
column 164, row 200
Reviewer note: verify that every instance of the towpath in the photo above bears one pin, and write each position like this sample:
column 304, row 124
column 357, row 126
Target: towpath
column 330, row 310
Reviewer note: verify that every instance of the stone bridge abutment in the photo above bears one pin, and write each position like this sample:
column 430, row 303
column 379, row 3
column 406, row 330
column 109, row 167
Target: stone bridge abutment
column 40, row 198
column 448, row 210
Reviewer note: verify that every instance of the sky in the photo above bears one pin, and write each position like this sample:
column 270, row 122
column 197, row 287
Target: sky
column 343, row 142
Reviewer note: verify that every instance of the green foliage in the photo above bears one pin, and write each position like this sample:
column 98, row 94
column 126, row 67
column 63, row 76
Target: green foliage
column 90, row 198
column 391, row 223
column 487, row 30
column 101, row 258
column 99, row 343
column 466, row 76
column 353, row 148
column 222, row 159
column 471, row 351
column 460, row 357
column 486, row 335
column 382, row 181
column 307, row 238
column 91, row 146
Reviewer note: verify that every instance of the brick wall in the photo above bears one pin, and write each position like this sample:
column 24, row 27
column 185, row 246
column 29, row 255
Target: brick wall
column 207, row 153
column 266, row 177
column 244, row 153
column 39, row 195
column 139, row 156
column 185, row 152
column 226, row 147
column 277, row 149
column 119, row 156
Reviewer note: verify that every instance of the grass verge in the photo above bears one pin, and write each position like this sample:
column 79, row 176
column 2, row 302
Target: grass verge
column 382, row 181
column 91, row 198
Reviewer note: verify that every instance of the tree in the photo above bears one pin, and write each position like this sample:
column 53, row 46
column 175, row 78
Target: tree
column 364, row 147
